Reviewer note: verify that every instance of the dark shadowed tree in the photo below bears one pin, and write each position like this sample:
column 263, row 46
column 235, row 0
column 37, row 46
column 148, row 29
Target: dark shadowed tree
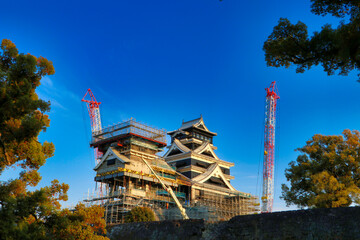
column 337, row 50
column 35, row 214
column 326, row 174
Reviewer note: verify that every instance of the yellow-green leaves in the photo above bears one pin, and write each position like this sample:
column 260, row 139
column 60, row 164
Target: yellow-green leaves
column 35, row 214
column 80, row 224
column 327, row 173
column 9, row 48
column 45, row 66
column 22, row 115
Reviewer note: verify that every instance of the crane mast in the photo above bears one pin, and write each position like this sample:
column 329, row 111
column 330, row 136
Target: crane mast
column 95, row 119
column 269, row 149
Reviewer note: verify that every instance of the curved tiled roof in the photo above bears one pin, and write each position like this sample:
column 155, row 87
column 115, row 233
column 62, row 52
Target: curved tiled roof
column 205, row 146
column 202, row 147
column 177, row 144
column 116, row 153
column 197, row 123
column 214, row 169
column 181, row 146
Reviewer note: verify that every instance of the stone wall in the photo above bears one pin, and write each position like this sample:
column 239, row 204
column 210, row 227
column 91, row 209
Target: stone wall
column 336, row 223
column 172, row 230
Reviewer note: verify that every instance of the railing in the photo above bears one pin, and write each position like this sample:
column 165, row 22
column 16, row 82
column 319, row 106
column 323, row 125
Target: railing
column 157, row 195
column 231, row 193
column 130, row 126
column 166, row 175
column 177, row 194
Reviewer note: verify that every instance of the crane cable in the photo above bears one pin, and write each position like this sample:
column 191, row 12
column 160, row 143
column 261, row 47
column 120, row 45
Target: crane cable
column 261, row 152
column 84, row 117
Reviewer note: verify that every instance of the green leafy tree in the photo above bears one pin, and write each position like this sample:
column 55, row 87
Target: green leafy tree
column 326, row 174
column 140, row 214
column 28, row 214
column 336, row 49
column 85, row 223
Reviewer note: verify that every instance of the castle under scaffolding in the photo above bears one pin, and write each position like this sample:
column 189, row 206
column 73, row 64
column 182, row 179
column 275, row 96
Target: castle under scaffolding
column 199, row 179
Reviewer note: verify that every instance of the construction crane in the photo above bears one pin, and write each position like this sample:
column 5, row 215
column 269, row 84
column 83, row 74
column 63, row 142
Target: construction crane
column 169, row 190
column 95, row 120
column 269, row 148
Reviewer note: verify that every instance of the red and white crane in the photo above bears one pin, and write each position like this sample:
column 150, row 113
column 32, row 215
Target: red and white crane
column 269, row 148
column 95, row 119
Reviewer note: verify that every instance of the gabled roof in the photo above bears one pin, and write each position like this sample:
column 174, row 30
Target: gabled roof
column 112, row 152
column 213, row 171
column 196, row 123
column 206, row 146
column 177, row 145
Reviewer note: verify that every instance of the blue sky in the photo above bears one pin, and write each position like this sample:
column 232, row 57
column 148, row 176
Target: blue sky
column 164, row 61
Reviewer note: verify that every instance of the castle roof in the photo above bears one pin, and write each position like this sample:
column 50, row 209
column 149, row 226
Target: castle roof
column 112, row 152
column 197, row 123
column 213, row 171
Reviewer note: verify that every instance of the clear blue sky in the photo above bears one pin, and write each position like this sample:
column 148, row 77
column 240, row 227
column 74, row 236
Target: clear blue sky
column 165, row 61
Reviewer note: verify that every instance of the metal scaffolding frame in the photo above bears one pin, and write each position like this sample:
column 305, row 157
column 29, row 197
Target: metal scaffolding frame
column 210, row 207
column 130, row 127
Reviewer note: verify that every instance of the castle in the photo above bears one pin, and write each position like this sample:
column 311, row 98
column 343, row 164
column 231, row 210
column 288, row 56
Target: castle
column 199, row 179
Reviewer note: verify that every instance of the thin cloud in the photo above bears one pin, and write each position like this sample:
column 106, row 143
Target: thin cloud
column 46, row 81
column 55, row 93
column 54, row 102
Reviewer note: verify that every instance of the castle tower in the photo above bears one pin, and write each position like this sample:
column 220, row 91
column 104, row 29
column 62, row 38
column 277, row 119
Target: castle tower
column 128, row 180
column 192, row 154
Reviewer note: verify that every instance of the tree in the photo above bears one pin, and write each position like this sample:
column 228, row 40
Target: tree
column 80, row 224
column 140, row 214
column 28, row 214
column 336, row 49
column 326, row 174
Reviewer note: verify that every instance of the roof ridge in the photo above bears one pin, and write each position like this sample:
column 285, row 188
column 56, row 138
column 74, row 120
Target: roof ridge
column 192, row 120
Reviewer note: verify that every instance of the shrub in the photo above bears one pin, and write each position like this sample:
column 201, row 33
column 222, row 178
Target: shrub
column 140, row 214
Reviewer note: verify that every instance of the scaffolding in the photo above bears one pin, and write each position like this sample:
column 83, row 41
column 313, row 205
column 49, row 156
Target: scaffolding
column 130, row 189
column 210, row 207
column 118, row 203
column 226, row 207
column 129, row 184
column 129, row 127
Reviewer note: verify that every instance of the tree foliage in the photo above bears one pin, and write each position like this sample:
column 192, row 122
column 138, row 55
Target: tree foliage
column 140, row 214
column 35, row 214
column 85, row 223
column 336, row 49
column 326, row 174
